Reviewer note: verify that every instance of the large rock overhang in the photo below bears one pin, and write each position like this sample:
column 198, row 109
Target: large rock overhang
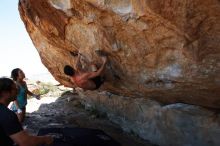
column 164, row 50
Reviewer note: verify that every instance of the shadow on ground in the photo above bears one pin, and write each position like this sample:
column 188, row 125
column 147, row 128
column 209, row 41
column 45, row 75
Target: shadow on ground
column 67, row 111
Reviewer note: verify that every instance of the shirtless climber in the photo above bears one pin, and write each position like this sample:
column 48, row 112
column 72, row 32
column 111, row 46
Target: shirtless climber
column 86, row 80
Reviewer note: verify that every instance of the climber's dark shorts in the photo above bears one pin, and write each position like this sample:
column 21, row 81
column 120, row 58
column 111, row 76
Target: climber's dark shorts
column 98, row 81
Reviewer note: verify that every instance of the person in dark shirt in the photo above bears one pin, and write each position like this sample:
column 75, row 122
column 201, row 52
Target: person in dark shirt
column 11, row 130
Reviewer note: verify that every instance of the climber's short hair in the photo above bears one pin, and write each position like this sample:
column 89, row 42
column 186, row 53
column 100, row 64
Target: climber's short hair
column 68, row 70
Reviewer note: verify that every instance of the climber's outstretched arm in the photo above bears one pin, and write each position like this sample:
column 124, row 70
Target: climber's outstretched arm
column 78, row 65
column 99, row 71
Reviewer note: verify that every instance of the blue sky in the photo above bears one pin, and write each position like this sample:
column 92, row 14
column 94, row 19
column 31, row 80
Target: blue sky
column 16, row 48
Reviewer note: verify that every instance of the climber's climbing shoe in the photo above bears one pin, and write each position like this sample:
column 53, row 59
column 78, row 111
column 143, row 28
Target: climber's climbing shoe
column 74, row 53
column 101, row 53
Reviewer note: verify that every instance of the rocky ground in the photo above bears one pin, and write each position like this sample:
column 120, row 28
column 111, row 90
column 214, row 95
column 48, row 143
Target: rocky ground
column 67, row 111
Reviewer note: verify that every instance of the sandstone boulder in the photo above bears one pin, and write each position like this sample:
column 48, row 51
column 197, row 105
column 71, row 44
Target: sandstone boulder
column 165, row 50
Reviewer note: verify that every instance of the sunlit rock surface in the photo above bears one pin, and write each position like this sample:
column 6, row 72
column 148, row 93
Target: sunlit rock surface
column 166, row 50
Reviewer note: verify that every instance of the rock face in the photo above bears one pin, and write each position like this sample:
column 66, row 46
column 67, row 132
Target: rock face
column 170, row 125
column 166, row 50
